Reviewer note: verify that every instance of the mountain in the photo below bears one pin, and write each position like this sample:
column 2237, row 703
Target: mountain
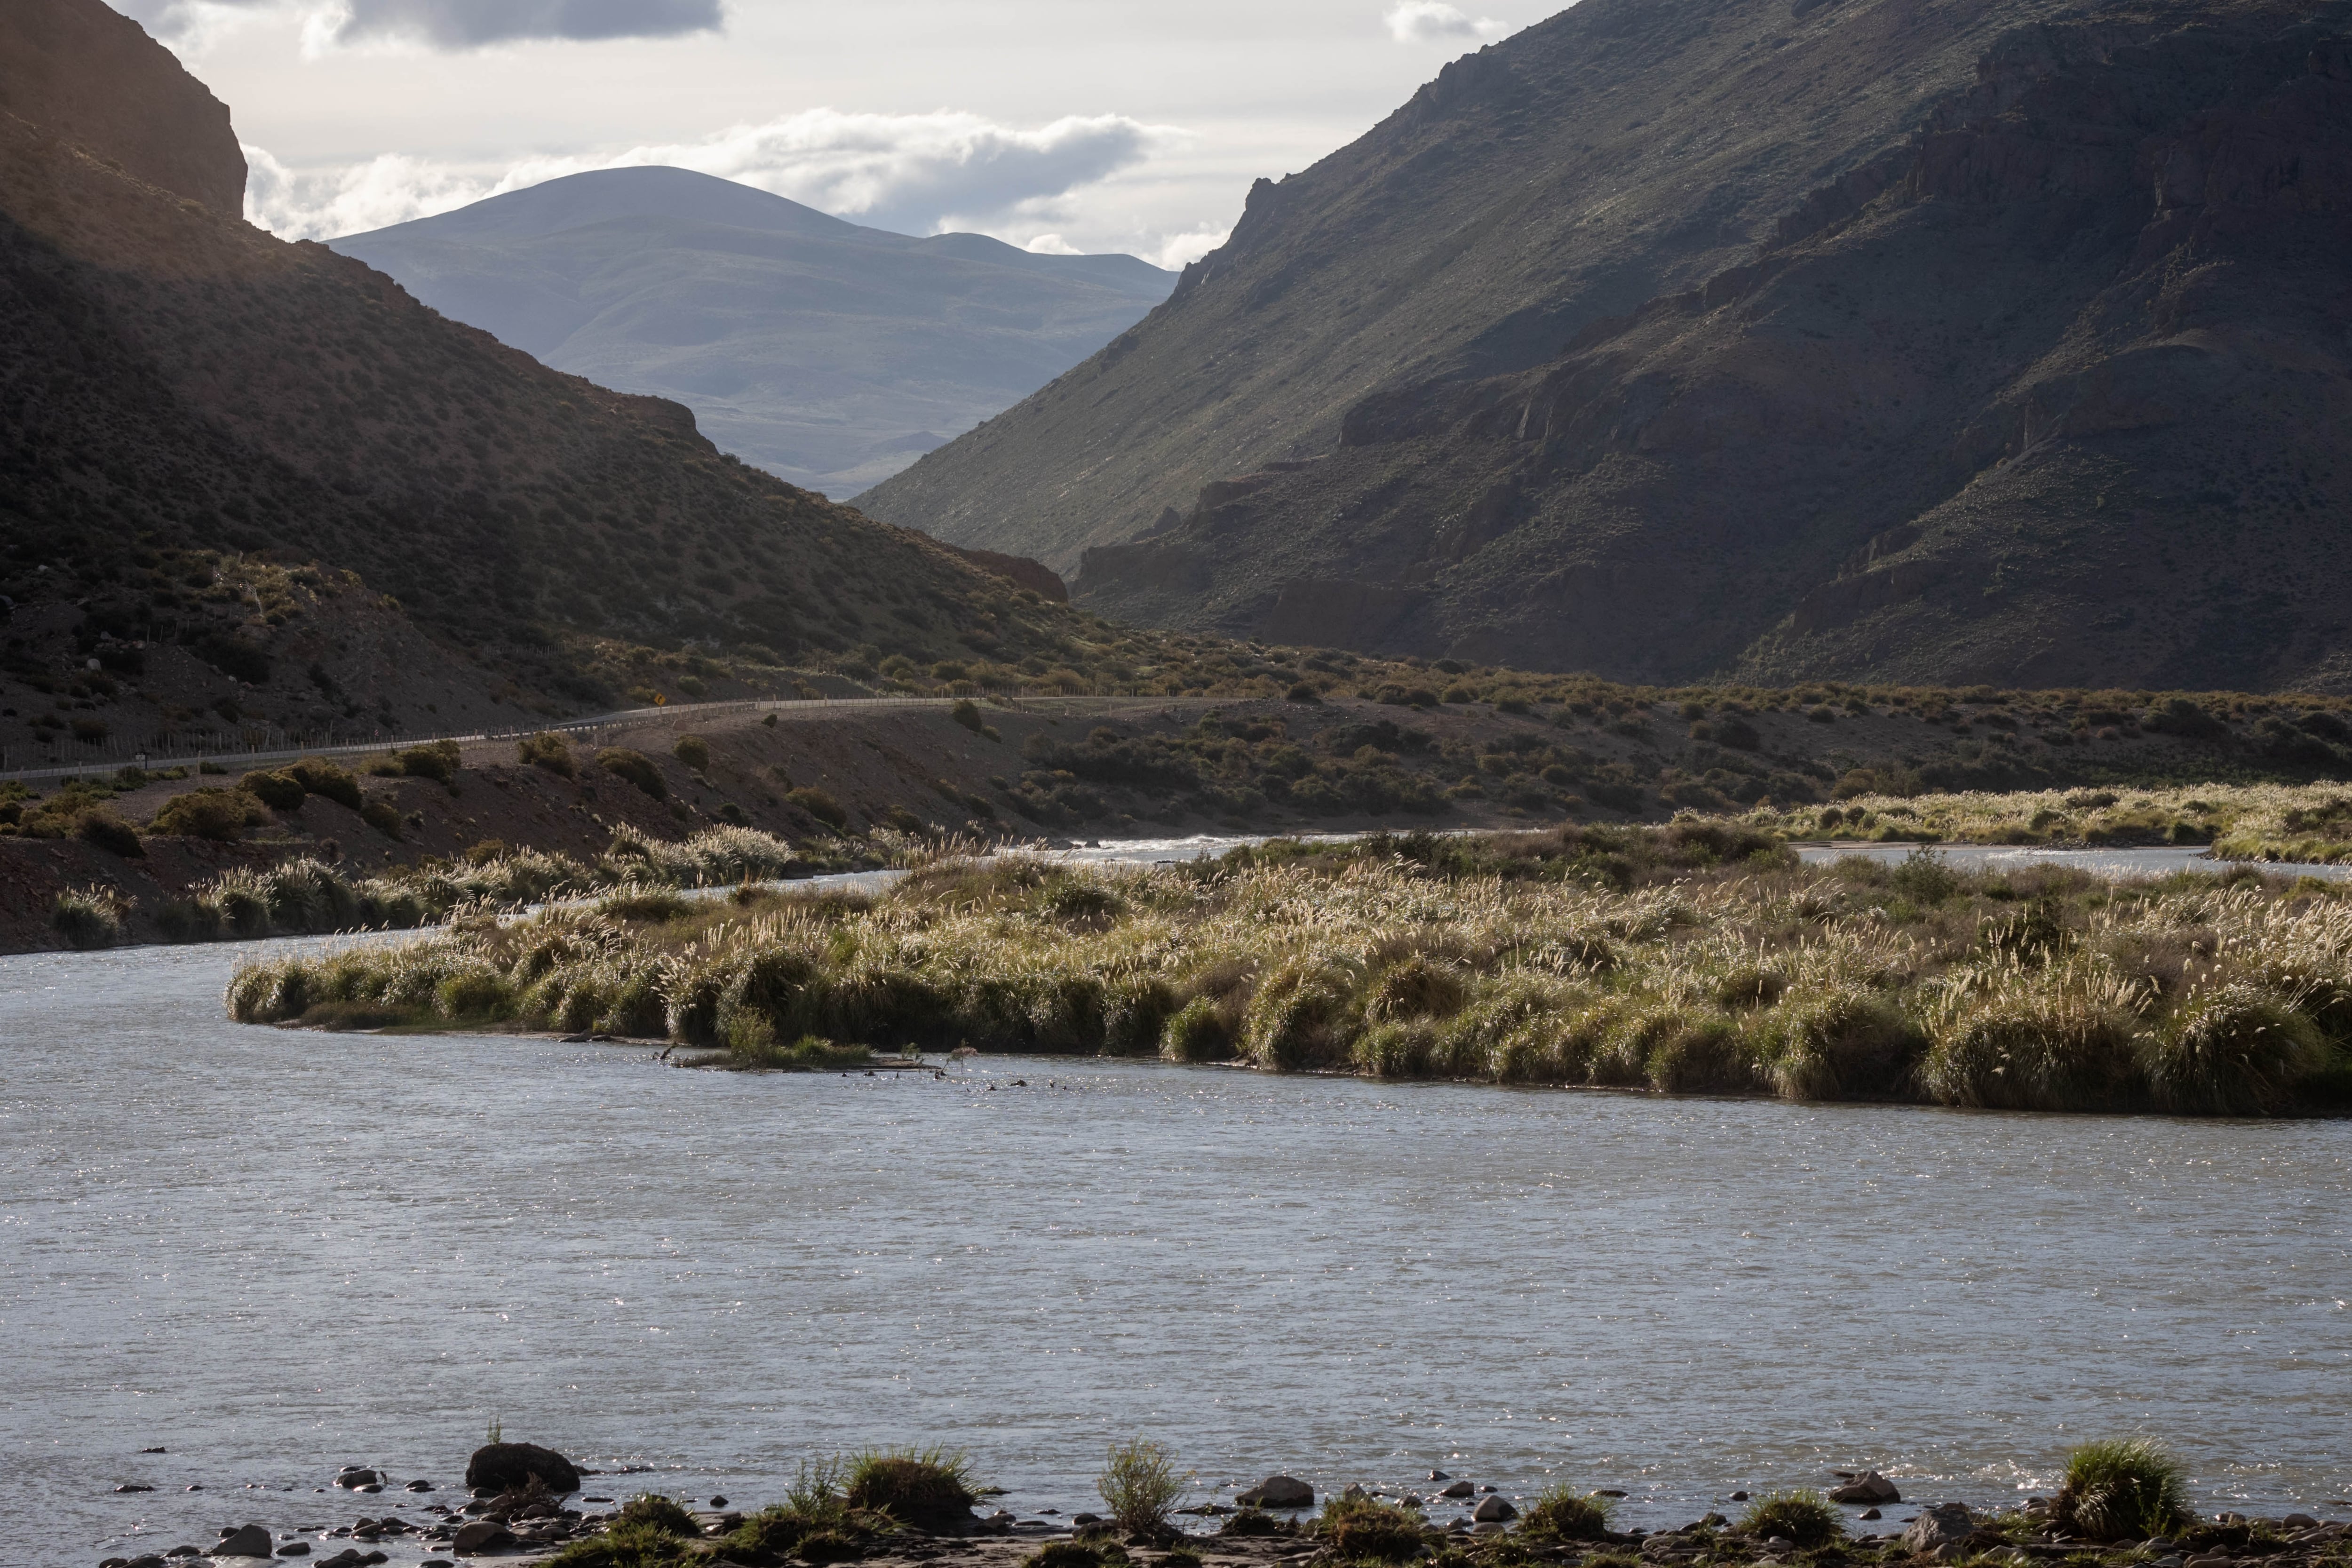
column 825, row 353
column 211, row 440
column 2000, row 341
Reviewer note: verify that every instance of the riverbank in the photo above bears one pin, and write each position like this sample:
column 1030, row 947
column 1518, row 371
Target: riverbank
column 1700, row 958
column 906, row 1508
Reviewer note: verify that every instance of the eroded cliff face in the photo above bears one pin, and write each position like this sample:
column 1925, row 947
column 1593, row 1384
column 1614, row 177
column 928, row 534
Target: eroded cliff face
column 93, row 77
column 2052, row 391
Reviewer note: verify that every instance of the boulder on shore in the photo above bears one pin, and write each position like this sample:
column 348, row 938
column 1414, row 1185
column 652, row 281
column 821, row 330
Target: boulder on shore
column 1492, row 1510
column 1869, row 1487
column 1944, row 1524
column 1278, row 1491
column 505, row 1466
column 482, row 1535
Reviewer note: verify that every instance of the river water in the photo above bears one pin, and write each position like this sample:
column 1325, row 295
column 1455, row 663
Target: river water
column 273, row 1253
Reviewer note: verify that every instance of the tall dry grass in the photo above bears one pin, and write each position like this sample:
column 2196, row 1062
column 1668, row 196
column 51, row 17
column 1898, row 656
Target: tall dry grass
column 2042, row 990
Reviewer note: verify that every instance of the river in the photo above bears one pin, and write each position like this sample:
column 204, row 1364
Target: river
column 273, row 1253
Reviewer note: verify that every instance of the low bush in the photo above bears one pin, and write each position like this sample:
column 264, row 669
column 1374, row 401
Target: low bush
column 546, row 750
column 693, row 751
column 106, row 831
column 1139, row 1485
column 966, row 712
column 383, row 816
column 821, row 806
column 278, row 790
column 435, row 760
column 635, row 768
column 316, row 776
column 2121, row 1487
column 221, row 814
column 1806, row 1518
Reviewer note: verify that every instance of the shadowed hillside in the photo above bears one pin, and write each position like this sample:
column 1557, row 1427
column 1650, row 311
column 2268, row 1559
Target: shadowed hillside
column 1911, row 339
column 178, row 388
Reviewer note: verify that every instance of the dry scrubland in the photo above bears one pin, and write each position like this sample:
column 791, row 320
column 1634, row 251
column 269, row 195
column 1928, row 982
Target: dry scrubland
column 2309, row 823
column 1699, row 958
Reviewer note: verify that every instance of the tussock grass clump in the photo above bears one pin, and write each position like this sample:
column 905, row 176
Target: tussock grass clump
column 665, row 1514
column 922, row 1487
column 1363, row 1529
column 1563, row 1513
column 2121, row 1487
column 89, row 916
column 632, row 1545
column 2042, row 990
column 1806, row 1518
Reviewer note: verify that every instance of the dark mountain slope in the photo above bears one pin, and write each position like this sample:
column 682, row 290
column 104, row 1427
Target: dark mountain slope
column 173, row 379
column 828, row 353
column 2041, row 376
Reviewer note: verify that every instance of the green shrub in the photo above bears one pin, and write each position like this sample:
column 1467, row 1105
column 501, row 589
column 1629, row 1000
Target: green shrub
column 1139, row 1485
column 318, row 776
column 2120, row 1488
column 821, row 806
column 1806, row 1518
column 545, row 749
column 1197, row 1033
column 435, row 760
column 104, row 830
column 635, row 768
column 966, row 712
column 278, row 790
column 693, row 751
column 921, row 1487
column 88, row 917
column 221, row 814
column 383, row 816
column 1563, row 1513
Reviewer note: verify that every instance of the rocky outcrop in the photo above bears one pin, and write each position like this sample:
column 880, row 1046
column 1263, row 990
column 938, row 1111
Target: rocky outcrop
column 2058, row 302
column 91, row 75
column 1021, row 571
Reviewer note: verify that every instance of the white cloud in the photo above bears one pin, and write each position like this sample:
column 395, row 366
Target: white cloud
column 1178, row 251
column 1052, row 244
column 1433, row 21
column 446, row 24
column 916, row 173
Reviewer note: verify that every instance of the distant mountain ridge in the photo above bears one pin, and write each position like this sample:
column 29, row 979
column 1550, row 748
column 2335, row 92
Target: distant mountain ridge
column 830, row 354
column 2000, row 341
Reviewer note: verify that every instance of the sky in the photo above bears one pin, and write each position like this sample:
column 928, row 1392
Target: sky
column 1061, row 125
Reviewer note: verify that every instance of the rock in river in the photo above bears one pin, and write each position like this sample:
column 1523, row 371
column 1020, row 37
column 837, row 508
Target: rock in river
column 508, row 1466
column 1493, row 1510
column 1869, row 1487
column 482, row 1535
column 253, row 1541
column 1278, row 1491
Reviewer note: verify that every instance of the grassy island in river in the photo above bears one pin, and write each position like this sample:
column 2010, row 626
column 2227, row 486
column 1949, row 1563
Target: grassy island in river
column 1696, row 958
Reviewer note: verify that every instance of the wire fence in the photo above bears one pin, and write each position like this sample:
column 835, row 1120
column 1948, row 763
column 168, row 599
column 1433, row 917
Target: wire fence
column 258, row 748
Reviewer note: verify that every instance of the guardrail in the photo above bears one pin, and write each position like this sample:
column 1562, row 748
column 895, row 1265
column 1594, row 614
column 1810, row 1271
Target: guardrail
column 596, row 729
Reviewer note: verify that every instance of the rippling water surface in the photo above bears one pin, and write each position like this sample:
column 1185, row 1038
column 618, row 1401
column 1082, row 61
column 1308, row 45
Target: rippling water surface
column 276, row 1252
